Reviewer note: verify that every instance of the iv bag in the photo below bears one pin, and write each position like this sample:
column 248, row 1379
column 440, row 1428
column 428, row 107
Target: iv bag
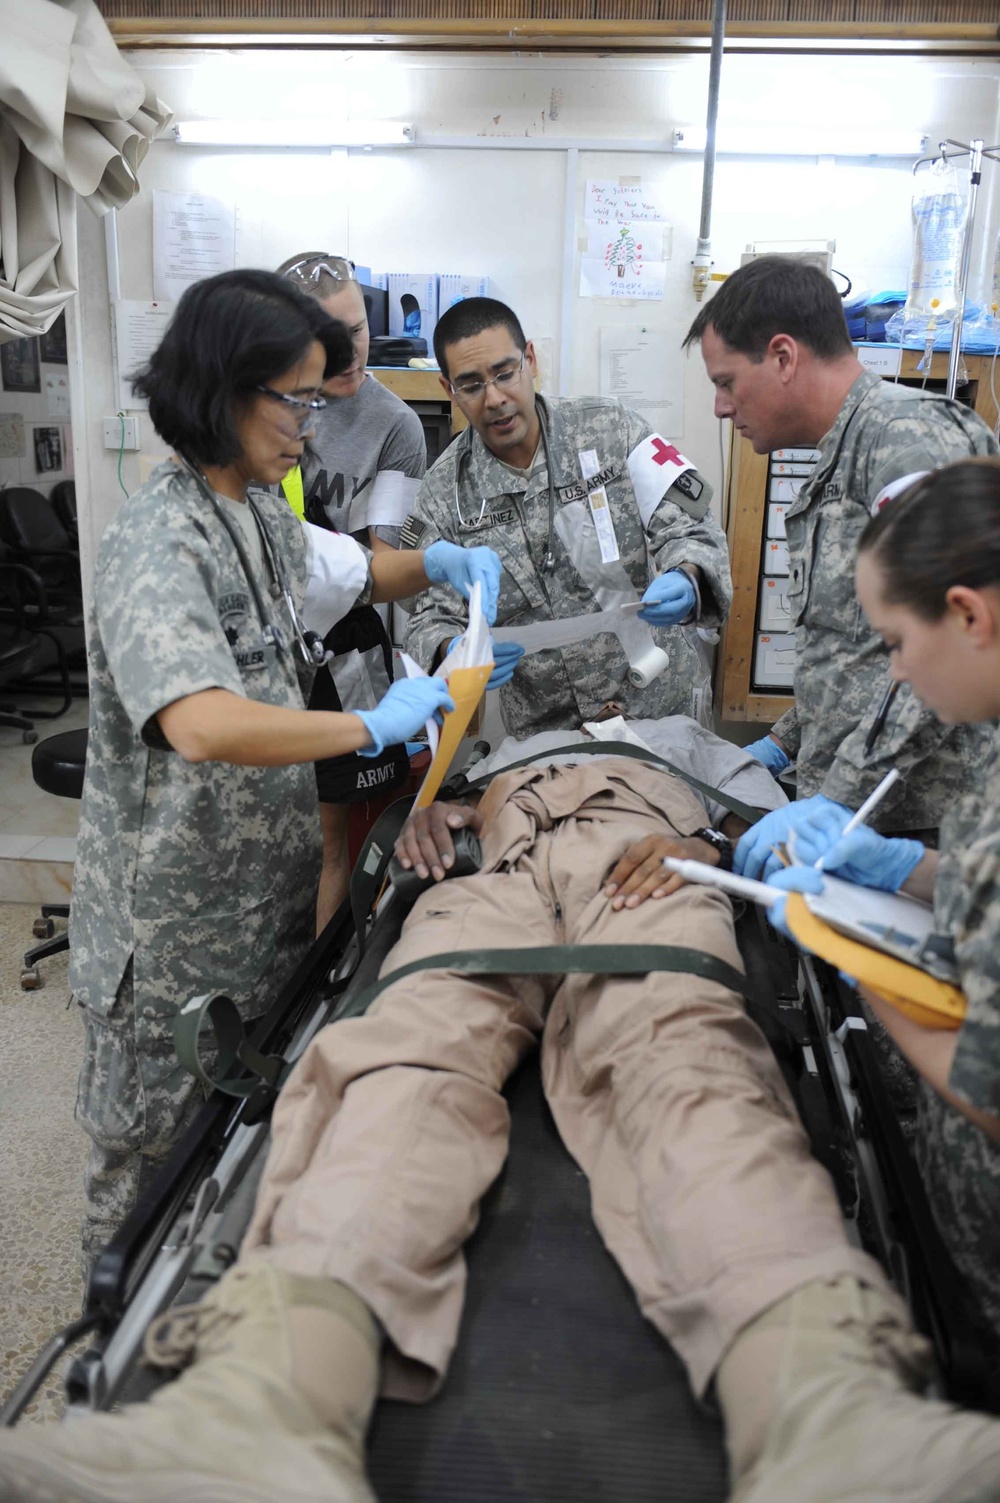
column 995, row 294
column 939, row 216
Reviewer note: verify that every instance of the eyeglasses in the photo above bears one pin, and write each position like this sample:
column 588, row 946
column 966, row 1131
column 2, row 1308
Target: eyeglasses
column 298, row 407
column 502, row 379
column 309, row 270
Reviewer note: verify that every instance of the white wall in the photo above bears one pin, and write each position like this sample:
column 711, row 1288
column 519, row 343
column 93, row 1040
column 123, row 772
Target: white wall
column 501, row 212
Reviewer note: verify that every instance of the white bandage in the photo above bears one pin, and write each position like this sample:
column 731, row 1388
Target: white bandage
column 338, row 573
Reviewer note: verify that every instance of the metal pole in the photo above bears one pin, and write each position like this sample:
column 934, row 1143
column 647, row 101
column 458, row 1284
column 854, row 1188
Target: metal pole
column 703, row 255
column 955, row 355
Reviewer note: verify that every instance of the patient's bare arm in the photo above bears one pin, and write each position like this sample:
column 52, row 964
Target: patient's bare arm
column 425, row 840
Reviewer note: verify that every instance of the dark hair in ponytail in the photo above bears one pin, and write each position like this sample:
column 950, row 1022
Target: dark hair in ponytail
column 943, row 531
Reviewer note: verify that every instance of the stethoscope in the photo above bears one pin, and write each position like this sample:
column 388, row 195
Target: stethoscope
column 310, row 643
column 548, row 564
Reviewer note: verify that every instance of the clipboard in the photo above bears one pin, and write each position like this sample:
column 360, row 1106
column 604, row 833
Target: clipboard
column 924, row 998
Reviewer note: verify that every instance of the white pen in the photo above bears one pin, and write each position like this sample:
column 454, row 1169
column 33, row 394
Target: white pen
column 711, row 876
column 866, row 808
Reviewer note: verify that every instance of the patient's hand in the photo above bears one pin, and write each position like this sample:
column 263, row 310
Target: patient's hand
column 639, row 874
column 425, row 840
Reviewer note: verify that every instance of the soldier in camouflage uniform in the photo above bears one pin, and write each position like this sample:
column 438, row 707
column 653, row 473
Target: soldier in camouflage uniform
column 776, row 347
column 198, row 854
column 493, row 485
column 929, row 580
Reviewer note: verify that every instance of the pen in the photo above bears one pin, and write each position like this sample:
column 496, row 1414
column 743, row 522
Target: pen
column 711, row 876
column 881, row 716
column 866, row 808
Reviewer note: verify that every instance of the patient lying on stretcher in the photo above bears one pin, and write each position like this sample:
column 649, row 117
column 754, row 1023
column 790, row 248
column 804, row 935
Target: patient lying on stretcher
column 393, row 1126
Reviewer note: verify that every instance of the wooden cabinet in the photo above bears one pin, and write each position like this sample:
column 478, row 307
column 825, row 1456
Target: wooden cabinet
column 738, row 694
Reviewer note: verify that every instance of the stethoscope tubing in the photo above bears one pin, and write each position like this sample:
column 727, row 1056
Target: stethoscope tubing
column 271, row 631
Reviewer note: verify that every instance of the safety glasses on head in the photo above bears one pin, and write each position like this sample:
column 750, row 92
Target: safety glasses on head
column 308, row 271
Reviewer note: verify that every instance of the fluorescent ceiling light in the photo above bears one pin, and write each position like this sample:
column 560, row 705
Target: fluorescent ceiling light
column 788, row 140
column 291, row 132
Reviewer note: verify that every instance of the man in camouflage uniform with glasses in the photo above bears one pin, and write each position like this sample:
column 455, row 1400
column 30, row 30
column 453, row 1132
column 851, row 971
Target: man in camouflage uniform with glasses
column 588, row 509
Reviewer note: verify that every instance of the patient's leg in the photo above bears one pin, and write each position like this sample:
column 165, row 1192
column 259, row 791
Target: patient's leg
column 705, row 1190
column 392, row 1126
column 703, row 1182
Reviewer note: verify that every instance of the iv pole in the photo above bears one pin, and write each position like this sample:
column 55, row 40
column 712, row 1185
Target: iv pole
column 976, row 151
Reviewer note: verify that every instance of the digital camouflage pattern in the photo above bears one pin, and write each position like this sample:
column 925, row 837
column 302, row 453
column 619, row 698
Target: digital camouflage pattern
column 189, row 877
column 469, row 497
column 960, row 1163
column 882, row 433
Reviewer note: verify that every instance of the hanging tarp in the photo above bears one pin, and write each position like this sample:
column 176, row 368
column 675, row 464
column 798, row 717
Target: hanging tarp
column 75, row 122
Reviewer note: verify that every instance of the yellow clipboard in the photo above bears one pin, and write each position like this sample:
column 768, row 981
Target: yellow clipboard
column 932, row 1003
column 467, row 687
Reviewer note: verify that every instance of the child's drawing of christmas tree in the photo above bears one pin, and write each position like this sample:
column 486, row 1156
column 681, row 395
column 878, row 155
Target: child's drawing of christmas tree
column 625, row 253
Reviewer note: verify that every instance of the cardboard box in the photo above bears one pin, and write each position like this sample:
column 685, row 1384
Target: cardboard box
column 413, row 304
column 455, row 286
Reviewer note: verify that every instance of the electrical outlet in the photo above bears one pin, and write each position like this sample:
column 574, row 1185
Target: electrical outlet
column 121, row 433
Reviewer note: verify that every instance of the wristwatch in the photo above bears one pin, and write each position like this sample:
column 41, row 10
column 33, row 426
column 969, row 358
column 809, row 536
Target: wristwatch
column 719, row 842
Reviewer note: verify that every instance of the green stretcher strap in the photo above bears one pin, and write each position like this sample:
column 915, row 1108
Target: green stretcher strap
column 546, row 960
column 233, row 1047
column 639, row 754
column 560, row 960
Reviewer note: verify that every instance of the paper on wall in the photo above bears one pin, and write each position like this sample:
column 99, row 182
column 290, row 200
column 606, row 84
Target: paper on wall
column 139, row 327
column 56, row 390
column 611, row 199
column 12, row 441
column 641, row 283
column 542, row 636
column 194, row 236
column 652, row 237
column 642, row 368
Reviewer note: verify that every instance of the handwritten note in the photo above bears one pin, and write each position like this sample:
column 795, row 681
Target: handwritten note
column 609, row 200
column 638, row 283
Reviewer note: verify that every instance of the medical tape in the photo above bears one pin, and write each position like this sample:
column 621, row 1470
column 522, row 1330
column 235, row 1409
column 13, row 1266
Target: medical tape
column 611, row 587
column 540, row 636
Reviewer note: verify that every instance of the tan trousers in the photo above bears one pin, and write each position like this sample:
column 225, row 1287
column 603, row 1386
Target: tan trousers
column 393, row 1125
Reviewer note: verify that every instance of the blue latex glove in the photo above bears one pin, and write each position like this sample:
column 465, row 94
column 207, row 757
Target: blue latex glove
column 863, row 856
column 791, row 879
column 447, row 563
column 768, row 751
column 669, row 599
column 754, row 856
column 402, row 712
column 506, row 656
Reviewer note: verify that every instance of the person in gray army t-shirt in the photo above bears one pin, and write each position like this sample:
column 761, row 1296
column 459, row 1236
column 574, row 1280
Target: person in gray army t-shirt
column 588, row 509
column 776, row 347
column 359, row 475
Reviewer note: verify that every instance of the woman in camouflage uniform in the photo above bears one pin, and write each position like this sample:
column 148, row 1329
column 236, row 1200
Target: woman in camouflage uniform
column 199, row 847
column 928, row 577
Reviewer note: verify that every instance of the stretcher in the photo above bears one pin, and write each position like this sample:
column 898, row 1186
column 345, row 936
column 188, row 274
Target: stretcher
column 558, row 1388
